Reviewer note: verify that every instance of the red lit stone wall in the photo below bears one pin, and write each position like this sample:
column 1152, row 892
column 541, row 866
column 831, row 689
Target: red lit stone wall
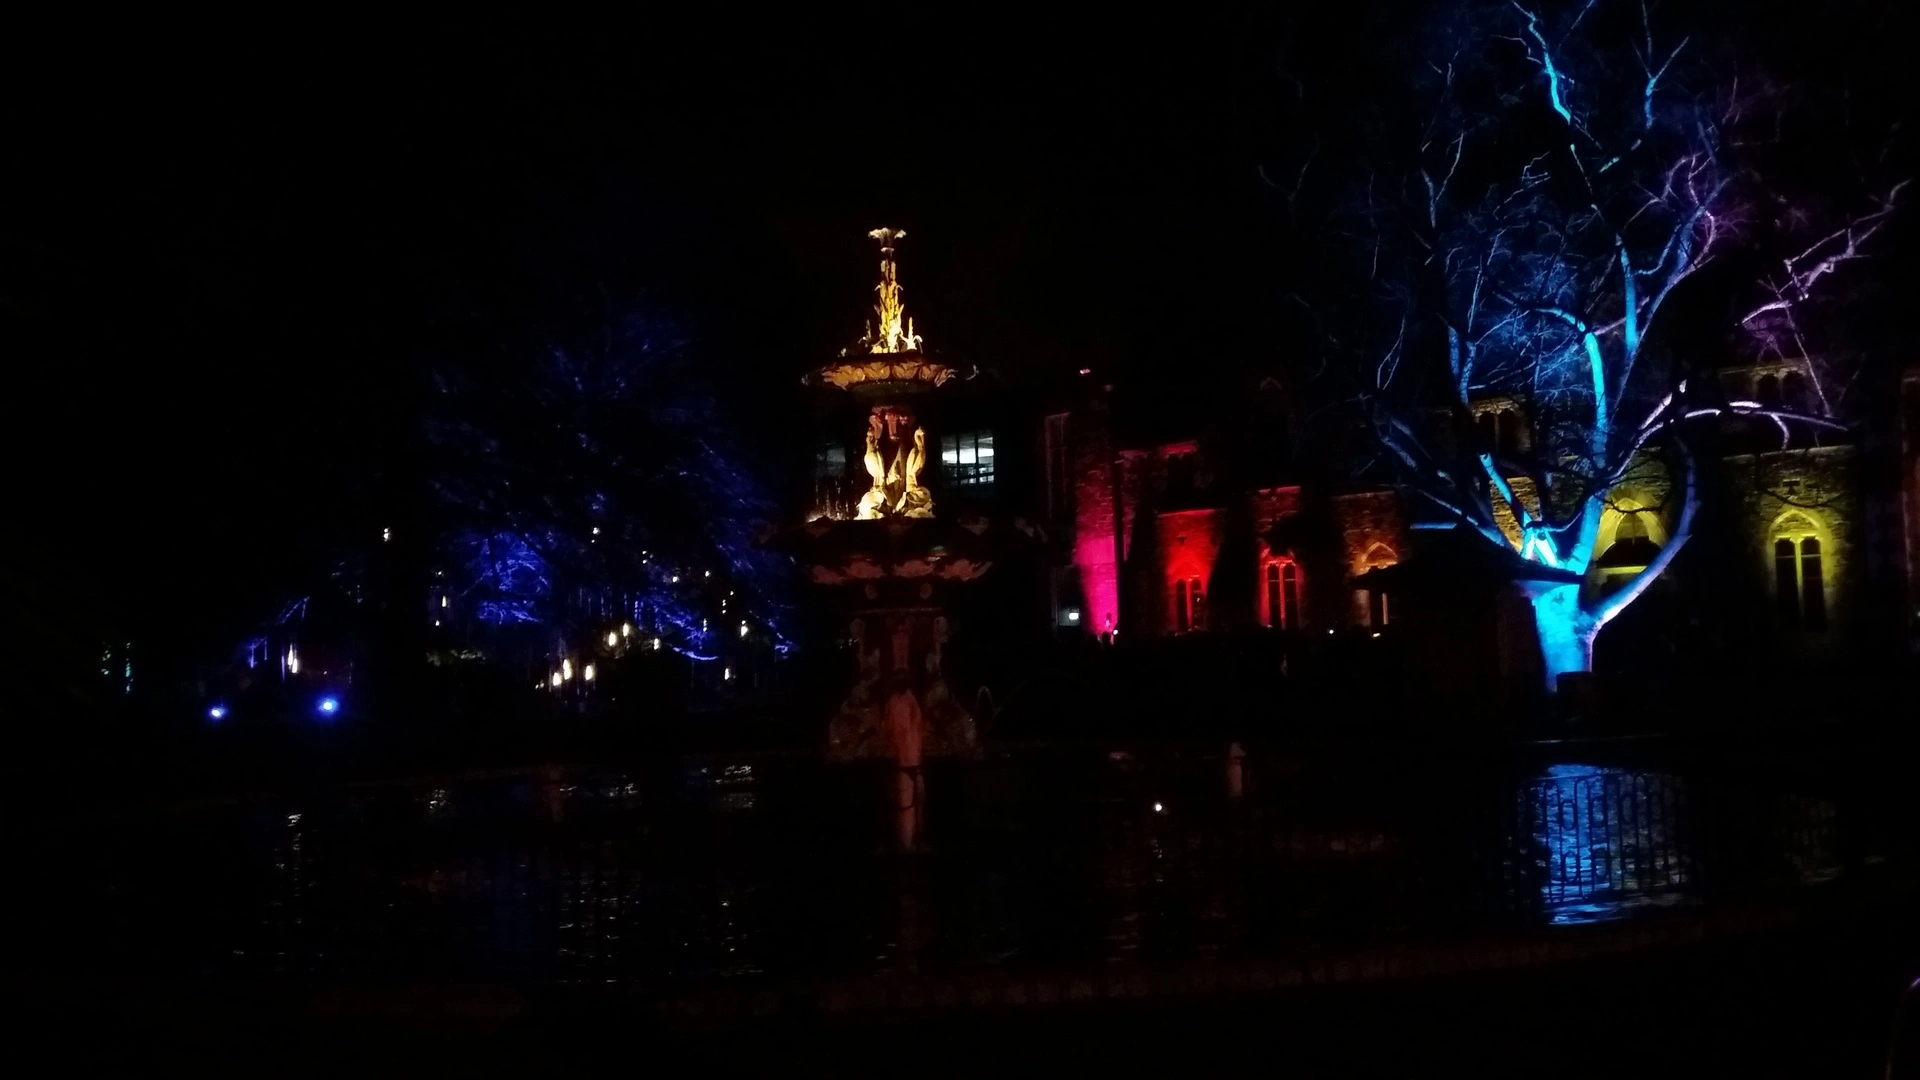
column 1273, row 504
column 1189, row 546
column 1095, row 519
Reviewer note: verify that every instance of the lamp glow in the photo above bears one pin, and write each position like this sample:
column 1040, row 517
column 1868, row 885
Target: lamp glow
column 612, row 639
column 626, row 630
column 587, row 673
column 217, row 713
column 293, row 661
column 328, row 706
column 743, row 628
column 554, row 681
column 566, row 669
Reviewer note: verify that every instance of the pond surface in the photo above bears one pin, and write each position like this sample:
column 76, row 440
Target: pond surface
column 692, row 870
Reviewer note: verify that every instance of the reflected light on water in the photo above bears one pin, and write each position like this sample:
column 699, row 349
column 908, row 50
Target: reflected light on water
column 1607, row 841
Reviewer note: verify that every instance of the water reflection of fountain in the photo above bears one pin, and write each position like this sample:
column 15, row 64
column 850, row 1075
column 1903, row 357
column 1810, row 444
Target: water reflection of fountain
column 1608, row 840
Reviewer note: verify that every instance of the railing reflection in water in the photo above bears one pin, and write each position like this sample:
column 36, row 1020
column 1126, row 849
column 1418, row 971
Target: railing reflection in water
column 1608, row 840
column 725, row 871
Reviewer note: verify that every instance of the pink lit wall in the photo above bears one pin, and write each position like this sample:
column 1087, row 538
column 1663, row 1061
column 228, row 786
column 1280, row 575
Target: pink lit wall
column 1095, row 520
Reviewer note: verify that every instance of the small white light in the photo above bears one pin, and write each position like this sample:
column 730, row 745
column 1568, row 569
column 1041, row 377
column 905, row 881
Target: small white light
column 443, row 601
column 555, row 680
column 596, row 530
column 293, row 661
column 743, row 628
column 1159, row 808
column 1073, row 615
column 726, row 673
column 612, row 639
column 676, row 579
column 707, row 573
column 626, row 629
column 566, row 669
column 656, row 644
column 386, row 534
column 1376, row 633
column 587, row 673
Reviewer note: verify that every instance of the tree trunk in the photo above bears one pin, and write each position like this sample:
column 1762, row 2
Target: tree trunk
column 1566, row 633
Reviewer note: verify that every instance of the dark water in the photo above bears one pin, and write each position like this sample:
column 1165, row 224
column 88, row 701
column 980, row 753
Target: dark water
column 783, row 867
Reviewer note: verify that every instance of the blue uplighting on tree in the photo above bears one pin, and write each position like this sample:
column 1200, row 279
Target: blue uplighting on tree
column 505, row 580
column 587, row 479
column 1562, row 187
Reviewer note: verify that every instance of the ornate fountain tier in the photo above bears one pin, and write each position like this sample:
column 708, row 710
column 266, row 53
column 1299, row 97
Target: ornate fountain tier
column 910, row 550
column 886, row 362
column 882, row 376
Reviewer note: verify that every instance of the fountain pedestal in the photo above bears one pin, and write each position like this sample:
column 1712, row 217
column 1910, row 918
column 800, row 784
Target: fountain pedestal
column 890, row 563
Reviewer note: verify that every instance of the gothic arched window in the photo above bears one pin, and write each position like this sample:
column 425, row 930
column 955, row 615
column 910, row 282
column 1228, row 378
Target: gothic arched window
column 1189, row 605
column 1793, row 392
column 1283, row 595
column 1799, row 574
column 1632, row 546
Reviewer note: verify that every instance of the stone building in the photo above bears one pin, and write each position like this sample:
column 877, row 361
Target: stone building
column 1226, row 512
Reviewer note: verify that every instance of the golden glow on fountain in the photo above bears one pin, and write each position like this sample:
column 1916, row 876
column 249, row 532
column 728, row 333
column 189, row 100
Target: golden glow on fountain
column 887, row 359
column 896, row 329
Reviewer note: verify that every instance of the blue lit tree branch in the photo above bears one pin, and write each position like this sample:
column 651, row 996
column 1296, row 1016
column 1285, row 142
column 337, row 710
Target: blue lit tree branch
column 583, row 476
column 1566, row 186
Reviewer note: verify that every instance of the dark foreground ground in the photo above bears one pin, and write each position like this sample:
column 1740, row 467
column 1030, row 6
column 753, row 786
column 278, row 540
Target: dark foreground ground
column 554, row 921
column 1810, row 1001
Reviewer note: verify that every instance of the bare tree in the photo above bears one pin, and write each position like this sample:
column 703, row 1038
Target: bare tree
column 1567, row 185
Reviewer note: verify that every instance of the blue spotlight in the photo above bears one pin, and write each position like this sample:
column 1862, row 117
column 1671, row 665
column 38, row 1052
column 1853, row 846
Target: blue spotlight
column 217, row 713
column 328, row 706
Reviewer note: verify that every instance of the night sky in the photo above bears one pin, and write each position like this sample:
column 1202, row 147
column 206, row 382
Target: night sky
column 222, row 256
column 220, row 261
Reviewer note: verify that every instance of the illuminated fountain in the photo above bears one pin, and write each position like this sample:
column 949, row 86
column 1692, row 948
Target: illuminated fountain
column 890, row 563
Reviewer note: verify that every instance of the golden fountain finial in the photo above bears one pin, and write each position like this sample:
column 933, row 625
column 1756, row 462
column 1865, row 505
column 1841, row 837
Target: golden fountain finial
column 895, row 330
column 887, row 360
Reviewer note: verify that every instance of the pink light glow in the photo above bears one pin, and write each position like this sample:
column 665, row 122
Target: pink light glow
column 1099, row 581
